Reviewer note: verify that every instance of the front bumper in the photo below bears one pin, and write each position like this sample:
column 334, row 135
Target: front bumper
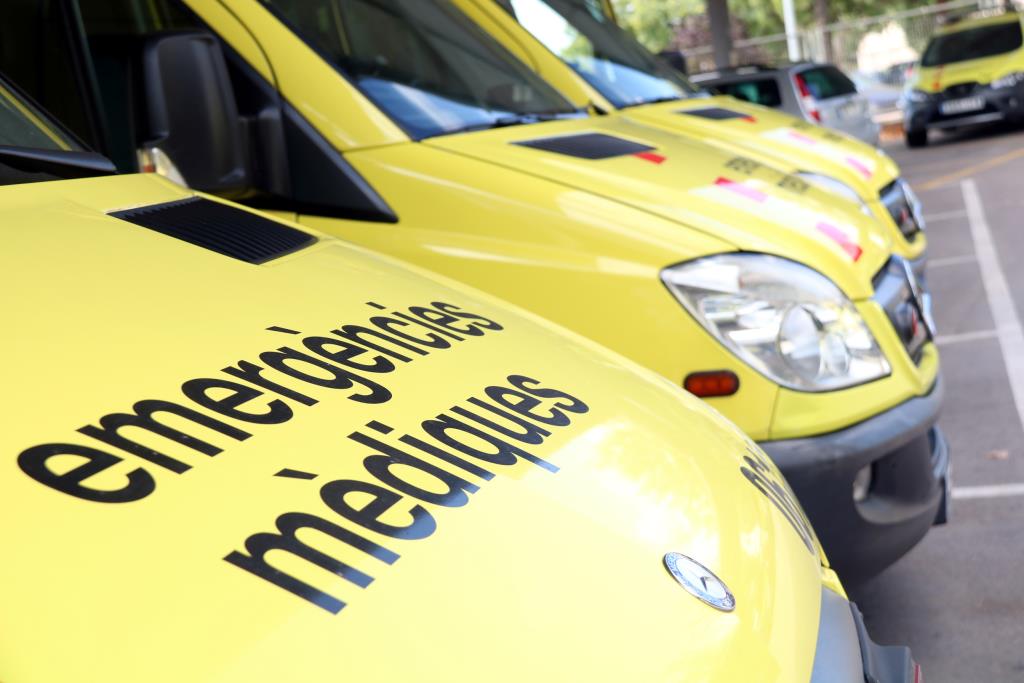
column 1002, row 104
column 909, row 461
column 845, row 652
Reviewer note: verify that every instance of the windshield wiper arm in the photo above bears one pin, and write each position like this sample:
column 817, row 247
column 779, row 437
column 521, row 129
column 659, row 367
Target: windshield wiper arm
column 60, row 163
column 517, row 120
column 654, row 100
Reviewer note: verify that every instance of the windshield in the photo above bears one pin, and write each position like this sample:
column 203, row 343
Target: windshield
column 423, row 63
column 603, row 54
column 22, row 125
column 974, row 43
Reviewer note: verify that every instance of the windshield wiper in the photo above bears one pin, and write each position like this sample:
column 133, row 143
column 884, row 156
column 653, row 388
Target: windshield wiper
column 60, row 163
column 516, row 120
column 655, row 100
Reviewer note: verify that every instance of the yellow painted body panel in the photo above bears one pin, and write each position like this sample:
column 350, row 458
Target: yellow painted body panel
column 548, row 248
column 983, row 71
column 536, row 573
column 692, row 184
column 768, row 136
column 582, row 242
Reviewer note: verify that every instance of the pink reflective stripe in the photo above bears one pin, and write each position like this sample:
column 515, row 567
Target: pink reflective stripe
column 861, row 168
column 740, row 188
column 800, row 137
column 840, row 238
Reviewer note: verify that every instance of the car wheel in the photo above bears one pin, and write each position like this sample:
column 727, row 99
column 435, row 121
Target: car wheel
column 917, row 138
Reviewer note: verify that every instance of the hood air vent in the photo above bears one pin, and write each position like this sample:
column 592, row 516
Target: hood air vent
column 220, row 228
column 714, row 113
column 587, row 146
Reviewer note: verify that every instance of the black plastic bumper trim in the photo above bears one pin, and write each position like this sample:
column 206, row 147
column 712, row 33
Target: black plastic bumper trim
column 909, row 463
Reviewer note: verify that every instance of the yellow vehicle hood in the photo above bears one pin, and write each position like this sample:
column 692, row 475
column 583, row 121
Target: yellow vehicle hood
column 775, row 134
column 533, row 552
column 732, row 198
column 984, row 71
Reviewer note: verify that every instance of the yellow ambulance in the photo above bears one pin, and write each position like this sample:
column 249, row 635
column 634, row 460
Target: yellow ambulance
column 240, row 450
column 402, row 126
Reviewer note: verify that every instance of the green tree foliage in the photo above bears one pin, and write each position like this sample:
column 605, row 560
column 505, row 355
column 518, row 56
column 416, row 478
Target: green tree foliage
column 654, row 21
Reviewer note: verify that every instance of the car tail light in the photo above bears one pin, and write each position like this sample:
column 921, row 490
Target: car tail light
column 918, row 674
column 806, row 98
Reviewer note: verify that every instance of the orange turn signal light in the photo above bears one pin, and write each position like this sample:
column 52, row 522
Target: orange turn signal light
column 713, row 383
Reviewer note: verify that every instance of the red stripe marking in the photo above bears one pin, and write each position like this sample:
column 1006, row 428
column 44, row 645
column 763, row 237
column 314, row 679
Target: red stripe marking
column 852, row 249
column 861, row 168
column 750, row 119
column 741, row 189
column 651, row 157
column 800, row 137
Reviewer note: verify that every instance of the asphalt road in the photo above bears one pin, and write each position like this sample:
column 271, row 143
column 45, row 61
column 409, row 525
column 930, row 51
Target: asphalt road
column 958, row 598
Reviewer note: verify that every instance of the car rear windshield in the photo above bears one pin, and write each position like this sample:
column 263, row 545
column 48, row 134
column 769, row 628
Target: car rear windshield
column 423, row 63
column 603, row 54
column 764, row 91
column 826, row 82
column 973, row 43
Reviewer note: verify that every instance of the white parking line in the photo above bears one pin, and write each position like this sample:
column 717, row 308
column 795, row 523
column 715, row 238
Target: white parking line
column 944, row 216
column 951, row 260
column 1000, row 301
column 947, row 339
column 994, row 491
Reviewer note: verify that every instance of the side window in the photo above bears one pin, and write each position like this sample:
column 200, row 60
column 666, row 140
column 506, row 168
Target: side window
column 827, row 81
column 762, row 91
column 91, row 77
column 551, row 28
column 40, row 51
column 114, row 31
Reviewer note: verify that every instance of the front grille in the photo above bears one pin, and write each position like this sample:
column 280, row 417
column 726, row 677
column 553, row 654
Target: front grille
column 960, row 90
column 905, row 310
column 901, row 207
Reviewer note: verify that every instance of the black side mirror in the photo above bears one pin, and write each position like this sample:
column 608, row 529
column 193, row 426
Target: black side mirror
column 675, row 58
column 191, row 112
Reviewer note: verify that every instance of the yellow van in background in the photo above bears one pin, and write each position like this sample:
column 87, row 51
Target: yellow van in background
column 402, row 126
column 240, row 450
column 970, row 73
column 576, row 46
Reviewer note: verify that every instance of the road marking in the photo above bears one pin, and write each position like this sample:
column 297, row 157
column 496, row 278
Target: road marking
column 968, row 171
column 994, row 491
column 947, row 339
column 944, row 216
column 1000, row 301
column 951, row 260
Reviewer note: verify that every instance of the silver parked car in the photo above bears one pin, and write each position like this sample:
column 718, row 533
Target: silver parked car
column 820, row 93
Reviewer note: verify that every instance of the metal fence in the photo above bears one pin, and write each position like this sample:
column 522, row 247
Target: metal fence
column 883, row 46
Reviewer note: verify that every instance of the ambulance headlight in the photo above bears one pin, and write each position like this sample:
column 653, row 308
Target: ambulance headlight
column 787, row 321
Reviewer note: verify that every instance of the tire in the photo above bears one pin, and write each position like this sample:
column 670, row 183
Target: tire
column 916, row 138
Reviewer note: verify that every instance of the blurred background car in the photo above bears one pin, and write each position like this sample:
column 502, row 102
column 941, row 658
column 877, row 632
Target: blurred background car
column 971, row 72
column 819, row 93
column 884, row 95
